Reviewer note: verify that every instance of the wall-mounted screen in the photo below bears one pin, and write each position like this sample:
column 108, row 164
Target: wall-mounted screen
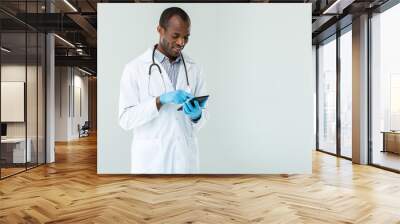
column 12, row 101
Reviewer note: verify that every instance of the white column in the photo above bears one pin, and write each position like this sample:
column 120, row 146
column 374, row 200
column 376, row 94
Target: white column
column 50, row 110
column 50, row 92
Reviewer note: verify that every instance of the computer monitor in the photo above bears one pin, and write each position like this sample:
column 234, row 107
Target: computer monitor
column 3, row 129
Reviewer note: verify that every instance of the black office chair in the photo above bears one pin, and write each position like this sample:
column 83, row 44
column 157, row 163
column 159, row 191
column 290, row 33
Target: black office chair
column 84, row 130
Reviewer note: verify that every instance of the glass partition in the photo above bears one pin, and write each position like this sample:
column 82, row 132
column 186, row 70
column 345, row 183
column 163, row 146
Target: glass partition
column 13, row 104
column 41, row 88
column 32, row 95
column 22, row 77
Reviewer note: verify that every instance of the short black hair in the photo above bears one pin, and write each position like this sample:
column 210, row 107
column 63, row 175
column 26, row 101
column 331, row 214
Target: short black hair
column 169, row 12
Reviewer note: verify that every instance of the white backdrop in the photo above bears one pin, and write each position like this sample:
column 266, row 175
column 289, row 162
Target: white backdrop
column 257, row 63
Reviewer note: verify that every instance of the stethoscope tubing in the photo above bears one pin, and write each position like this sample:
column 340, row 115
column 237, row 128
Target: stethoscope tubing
column 159, row 69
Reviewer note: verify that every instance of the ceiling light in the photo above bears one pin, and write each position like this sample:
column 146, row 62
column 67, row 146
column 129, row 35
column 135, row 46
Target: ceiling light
column 331, row 7
column 338, row 6
column 65, row 41
column 5, row 50
column 86, row 72
column 70, row 5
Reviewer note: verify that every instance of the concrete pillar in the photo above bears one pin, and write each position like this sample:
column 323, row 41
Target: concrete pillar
column 360, row 90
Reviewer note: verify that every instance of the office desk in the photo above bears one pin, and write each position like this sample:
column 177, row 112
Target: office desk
column 391, row 141
column 15, row 148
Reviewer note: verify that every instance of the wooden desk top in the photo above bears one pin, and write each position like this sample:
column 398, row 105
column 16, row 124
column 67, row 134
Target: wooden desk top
column 391, row 132
column 13, row 140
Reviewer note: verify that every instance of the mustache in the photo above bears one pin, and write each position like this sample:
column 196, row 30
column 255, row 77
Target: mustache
column 179, row 48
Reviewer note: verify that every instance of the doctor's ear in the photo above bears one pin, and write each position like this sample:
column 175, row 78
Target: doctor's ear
column 160, row 30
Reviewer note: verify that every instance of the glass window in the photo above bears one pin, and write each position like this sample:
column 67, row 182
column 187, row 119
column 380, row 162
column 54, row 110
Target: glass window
column 327, row 96
column 385, row 83
column 314, row 59
column 346, row 94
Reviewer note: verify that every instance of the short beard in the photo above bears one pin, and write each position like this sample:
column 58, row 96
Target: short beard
column 164, row 45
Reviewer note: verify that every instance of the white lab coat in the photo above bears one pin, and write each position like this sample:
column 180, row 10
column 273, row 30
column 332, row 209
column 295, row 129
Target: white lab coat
column 163, row 141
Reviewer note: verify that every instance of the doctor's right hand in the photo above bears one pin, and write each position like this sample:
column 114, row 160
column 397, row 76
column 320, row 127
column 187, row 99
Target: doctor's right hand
column 176, row 97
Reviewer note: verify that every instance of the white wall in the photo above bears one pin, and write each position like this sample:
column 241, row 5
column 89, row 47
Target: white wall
column 257, row 63
column 61, row 103
column 68, row 81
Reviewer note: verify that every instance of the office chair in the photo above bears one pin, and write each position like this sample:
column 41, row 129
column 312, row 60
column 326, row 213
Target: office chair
column 84, row 130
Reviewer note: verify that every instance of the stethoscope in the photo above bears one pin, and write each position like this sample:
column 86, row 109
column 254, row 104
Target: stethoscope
column 159, row 69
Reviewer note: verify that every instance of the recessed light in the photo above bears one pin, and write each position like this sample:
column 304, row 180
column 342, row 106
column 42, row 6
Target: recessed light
column 5, row 50
column 64, row 40
column 70, row 5
column 86, row 72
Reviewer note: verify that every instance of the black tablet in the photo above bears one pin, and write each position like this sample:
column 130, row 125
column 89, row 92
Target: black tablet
column 199, row 99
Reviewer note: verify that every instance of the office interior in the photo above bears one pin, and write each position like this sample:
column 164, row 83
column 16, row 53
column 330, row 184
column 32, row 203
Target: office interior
column 48, row 81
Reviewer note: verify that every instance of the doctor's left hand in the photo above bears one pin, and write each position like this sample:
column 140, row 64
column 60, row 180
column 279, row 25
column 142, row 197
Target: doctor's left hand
column 193, row 112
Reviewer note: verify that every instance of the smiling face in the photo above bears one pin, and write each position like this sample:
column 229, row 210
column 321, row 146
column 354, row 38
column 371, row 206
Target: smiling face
column 173, row 37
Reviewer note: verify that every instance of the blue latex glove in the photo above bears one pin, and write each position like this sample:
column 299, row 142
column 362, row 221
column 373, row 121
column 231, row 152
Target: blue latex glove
column 176, row 97
column 194, row 112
